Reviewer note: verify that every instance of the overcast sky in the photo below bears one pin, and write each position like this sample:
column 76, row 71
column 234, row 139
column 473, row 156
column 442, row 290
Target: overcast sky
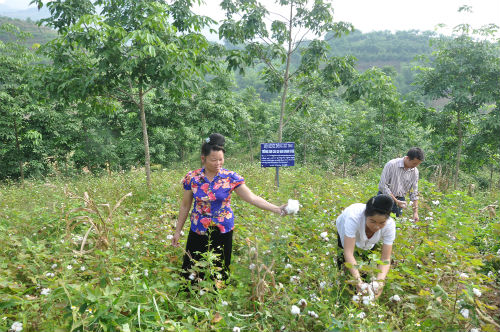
column 376, row 15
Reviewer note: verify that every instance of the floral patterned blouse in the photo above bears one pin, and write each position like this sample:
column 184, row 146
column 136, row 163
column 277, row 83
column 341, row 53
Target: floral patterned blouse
column 212, row 200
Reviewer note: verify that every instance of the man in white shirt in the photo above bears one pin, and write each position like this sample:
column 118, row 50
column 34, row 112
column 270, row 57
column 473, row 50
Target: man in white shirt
column 399, row 177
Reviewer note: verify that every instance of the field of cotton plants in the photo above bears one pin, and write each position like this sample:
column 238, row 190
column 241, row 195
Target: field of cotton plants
column 94, row 254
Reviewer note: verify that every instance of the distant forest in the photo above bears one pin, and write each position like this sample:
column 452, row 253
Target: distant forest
column 393, row 52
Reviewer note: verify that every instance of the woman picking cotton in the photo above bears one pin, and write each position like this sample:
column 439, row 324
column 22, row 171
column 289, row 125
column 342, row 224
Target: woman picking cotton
column 363, row 226
column 212, row 219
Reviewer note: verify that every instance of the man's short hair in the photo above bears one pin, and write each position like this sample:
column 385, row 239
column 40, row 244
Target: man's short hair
column 416, row 153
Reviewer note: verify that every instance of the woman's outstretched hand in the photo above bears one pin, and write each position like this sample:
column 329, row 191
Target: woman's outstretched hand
column 283, row 210
column 175, row 239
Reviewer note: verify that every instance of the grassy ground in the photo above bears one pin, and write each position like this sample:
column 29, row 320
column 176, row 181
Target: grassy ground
column 126, row 278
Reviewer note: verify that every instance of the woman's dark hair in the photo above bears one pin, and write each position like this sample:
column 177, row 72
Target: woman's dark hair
column 381, row 204
column 416, row 153
column 214, row 142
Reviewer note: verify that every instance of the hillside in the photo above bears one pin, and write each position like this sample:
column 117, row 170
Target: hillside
column 382, row 48
column 40, row 35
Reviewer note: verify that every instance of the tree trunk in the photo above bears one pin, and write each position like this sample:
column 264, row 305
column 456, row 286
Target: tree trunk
column 286, row 77
column 381, row 139
column 305, row 152
column 147, row 162
column 250, row 145
column 18, row 148
column 491, row 177
column 459, row 149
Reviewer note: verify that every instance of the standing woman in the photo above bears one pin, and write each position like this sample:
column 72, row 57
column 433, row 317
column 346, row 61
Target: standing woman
column 363, row 226
column 212, row 219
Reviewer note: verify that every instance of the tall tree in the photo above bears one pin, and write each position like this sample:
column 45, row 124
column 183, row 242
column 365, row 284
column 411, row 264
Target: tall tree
column 464, row 72
column 16, row 62
column 124, row 49
column 285, row 39
column 377, row 89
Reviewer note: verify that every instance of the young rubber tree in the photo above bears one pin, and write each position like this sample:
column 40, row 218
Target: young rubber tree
column 16, row 62
column 286, row 38
column 377, row 90
column 124, row 50
column 463, row 71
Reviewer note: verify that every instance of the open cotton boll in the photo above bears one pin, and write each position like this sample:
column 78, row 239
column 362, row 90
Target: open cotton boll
column 295, row 310
column 375, row 286
column 292, row 207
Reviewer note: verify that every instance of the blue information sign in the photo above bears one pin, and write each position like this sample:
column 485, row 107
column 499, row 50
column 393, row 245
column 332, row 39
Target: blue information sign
column 277, row 154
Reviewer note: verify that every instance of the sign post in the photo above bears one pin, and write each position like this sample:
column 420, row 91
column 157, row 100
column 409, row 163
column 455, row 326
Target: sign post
column 277, row 155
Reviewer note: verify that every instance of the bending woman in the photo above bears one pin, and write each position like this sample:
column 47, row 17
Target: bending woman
column 363, row 226
column 212, row 219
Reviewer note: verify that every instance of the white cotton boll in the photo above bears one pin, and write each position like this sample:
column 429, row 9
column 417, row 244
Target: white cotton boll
column 465, row 312
column 69, row 267
column 464, row 276
column 294, row 279
column 435, row 202
column 355, row 298
column 314, row 297
column 192, row 276
column 322, row 284
column 395, row 298
column 53, row 266
column 361, row 315
column 236, row 329
column 476, row 292
column 475, row 330
column 50, row 274
column 146, row 272
column 252, row 266
column 375, row 285
column 324, row 234
column 45, row 291
column 364, row 286
column 312, row 314
column 170, row 237
column 491, row 275
column 292, row 207
column 127, row 244
column 302, row 302
column 224, row 303
column 295, row 310
column 202, row 292
column 288, row 266
column 17, row 327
